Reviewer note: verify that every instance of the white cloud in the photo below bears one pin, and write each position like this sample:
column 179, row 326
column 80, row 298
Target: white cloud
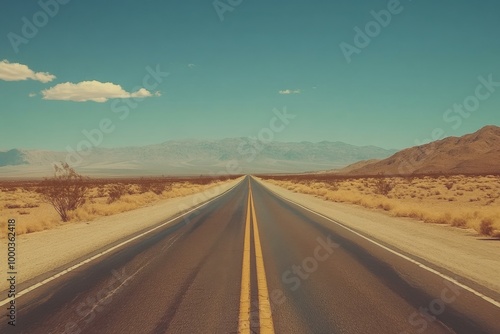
column 92, row 91
column 191, row 65
column 32, row 94
column 19, row 72
column 141, row 93
column 289, row 91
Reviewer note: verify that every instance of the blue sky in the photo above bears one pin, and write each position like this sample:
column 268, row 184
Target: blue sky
column 226, row 76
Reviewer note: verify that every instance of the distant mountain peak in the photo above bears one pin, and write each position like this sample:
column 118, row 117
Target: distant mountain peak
column 12, row 157
column 488, row 132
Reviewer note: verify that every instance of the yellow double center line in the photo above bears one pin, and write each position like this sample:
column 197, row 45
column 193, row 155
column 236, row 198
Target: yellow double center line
column 265, row 316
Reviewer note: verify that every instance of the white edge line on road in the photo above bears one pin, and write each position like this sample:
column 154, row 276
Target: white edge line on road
column 47, row 280
column 421, row 265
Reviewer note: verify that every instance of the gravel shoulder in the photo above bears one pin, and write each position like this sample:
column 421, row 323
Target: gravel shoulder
column 458, row 251
column 42, row 252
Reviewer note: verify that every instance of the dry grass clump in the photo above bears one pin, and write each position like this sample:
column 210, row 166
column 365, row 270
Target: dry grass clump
column 460, row 201
column 486, row 226
column 23, row 201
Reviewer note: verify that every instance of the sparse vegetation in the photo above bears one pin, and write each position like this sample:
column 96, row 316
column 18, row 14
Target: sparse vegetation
column 486, row 226
column 383, row 186
column 459, row 200
column 448, row 185
column 115, row 192
column 13, row 206
column 103, row 197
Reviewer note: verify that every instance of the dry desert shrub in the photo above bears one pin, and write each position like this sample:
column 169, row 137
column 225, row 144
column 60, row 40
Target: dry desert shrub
column 383, row 186
column 115, row 192
column 65, row 191
column 459, row 222
column 13, row 206
column 486, row 226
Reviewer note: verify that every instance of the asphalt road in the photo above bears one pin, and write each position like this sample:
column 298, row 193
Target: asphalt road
column 251, row 262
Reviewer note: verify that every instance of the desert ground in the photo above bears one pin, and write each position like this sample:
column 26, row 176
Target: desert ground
column 105, row 197
column 460, row 201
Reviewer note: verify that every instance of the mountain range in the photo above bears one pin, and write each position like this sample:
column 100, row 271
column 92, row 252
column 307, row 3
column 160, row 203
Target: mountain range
column 476, row 153
column 239, row 155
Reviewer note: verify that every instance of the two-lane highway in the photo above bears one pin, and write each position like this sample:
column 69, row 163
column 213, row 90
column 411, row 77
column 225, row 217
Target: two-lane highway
column 252, row 262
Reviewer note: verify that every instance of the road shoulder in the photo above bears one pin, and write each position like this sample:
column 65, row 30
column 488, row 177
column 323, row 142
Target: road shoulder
column 458, row 251
column 42, row 252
